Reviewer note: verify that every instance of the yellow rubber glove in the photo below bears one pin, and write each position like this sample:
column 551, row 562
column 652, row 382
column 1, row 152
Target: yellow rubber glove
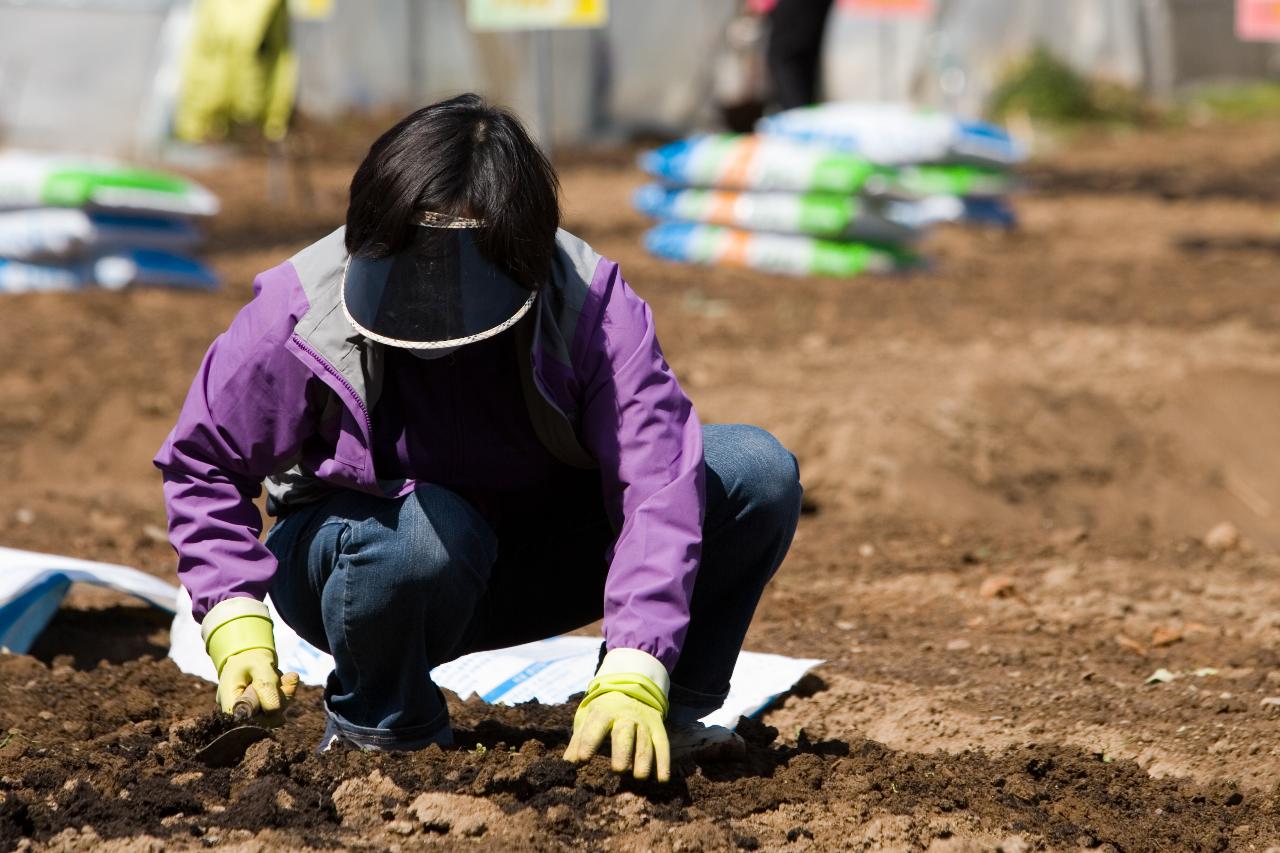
column 628, row 698
column 239, row 639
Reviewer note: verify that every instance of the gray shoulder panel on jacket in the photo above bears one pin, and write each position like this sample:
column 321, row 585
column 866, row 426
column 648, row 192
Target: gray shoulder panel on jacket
column 318, row 264
column 573, row 269
column 576, row 255
column 324, row 327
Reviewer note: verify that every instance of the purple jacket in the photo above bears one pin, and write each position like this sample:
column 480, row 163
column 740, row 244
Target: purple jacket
column 284, row 395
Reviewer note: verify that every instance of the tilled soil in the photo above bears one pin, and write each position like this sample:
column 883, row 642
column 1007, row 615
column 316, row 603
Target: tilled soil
column 116, row 762
column 1011, row 460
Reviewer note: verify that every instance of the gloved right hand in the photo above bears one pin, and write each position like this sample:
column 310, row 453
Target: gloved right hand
column 628, row 700
column 238, row 636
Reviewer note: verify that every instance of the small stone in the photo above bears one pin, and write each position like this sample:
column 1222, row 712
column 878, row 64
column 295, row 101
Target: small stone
column 45, row 715
column 1271, row 702
column 188, row 778
column 458, row 813
column 24, row 516
column 1222, row 537
column 997, row 586
column 959, row 645
column 559, row 815
column 866, row 550
column 360, row 801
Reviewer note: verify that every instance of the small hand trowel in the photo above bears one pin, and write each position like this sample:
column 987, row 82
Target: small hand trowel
column 228, row 748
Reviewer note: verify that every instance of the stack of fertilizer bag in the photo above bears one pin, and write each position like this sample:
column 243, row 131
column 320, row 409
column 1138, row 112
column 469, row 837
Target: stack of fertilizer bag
column 837, row 189
column 73, row 223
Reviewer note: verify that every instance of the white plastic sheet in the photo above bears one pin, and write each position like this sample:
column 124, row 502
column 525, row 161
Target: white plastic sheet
column 553, row 670
column 32, row 586
column 549, row 671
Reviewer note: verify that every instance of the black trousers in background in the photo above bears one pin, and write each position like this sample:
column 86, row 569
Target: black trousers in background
column 794, row 50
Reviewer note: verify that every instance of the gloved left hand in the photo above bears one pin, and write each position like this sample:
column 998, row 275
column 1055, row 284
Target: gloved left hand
column 628, row 698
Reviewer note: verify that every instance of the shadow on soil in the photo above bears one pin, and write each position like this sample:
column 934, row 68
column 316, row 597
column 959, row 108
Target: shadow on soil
column 84, row 638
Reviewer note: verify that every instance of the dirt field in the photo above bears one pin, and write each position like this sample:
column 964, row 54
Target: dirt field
column 1013, row 460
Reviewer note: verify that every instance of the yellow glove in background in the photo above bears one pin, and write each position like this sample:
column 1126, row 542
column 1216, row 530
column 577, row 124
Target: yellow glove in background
column 238, row 636
column 628, row 698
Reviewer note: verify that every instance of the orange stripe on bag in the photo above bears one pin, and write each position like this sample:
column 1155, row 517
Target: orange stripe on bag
column 735, row 247
column 737, row 168
column 721, row 207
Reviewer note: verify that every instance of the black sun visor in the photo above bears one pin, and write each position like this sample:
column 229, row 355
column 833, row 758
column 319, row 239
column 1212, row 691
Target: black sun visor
column 440, row 292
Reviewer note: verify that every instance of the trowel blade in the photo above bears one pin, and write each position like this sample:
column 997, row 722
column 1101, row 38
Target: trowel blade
column 228, row 748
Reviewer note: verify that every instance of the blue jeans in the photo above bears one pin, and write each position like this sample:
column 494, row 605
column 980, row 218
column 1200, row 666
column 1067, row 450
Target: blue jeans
column 392, row 588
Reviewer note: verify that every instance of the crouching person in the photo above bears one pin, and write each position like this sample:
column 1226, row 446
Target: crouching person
column 470, row 439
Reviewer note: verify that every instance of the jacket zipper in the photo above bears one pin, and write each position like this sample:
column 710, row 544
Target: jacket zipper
column 368, row 422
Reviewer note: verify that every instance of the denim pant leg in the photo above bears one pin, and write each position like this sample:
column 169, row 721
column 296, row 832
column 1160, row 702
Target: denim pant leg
column 753, row 507
column 388, row 587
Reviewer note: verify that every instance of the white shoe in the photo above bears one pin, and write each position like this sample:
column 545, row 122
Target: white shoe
column 698, row 742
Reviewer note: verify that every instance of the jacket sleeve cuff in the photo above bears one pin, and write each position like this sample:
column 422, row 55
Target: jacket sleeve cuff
column 619, row 661
column 234, row 626
column 231, row 608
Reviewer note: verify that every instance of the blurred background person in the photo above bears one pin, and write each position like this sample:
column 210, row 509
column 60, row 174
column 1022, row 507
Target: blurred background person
column 794, row 48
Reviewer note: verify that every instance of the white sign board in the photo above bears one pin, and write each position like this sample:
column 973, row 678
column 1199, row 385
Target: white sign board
column 536, row 14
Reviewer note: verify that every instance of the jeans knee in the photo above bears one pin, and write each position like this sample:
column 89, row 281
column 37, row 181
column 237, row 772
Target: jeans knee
column 447, row 532
column 756, row 466
column 427, row 543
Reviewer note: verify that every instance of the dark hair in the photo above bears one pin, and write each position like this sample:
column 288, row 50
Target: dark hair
column 460, row 157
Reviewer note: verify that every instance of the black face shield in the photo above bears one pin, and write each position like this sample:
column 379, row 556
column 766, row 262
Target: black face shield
column 440, row 293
